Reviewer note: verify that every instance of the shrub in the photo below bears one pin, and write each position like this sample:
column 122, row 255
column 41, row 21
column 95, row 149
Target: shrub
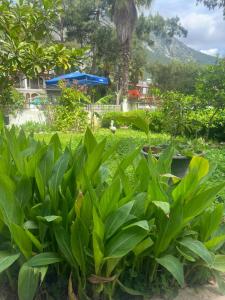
column 70, row 113
column 61, row 212
column 199, row 124
column 121, row 119
column 156, row 121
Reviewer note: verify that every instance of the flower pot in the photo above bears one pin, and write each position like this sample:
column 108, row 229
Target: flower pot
column 179, row 164
column 6, row 119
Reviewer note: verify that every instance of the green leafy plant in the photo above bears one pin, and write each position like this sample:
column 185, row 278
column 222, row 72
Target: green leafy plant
column 70, row 113
column 62, row 213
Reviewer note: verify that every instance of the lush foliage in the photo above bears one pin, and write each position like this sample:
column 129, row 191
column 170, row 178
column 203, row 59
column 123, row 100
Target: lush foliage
column 121, row 119
column 212, row 4
column 175, row 76
column 69, row 113
column 62, row 212
column 26, row 45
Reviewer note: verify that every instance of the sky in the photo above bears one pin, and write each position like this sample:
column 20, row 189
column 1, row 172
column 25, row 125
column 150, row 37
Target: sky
column 206, row 29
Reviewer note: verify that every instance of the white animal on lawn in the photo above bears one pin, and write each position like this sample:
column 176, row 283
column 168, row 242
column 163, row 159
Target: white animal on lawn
column 112, row 127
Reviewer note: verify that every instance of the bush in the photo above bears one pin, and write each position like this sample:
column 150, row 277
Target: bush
column 70, row 113
column 63, row 212
column 199, row 123
column 156, row 121
column 119, row 118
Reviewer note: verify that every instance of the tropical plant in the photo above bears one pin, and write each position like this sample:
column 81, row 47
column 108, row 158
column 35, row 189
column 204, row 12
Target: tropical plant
column 211, row 89
column 69, row 113
column 26, row 46
column 62, row 212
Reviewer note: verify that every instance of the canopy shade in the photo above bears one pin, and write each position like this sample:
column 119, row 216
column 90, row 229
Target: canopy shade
column 80, row 78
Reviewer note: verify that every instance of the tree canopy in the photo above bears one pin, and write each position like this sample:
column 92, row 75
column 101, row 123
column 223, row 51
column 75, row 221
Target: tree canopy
column 212, row 4
column 26, row 43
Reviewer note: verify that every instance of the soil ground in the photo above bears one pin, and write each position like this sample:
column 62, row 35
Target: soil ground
column 203, row 293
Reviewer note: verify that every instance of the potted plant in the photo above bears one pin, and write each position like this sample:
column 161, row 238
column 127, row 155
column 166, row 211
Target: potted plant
column 183, row 151
column 181, row 158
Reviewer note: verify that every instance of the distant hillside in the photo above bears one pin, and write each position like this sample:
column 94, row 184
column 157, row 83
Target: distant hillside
column 165, row 50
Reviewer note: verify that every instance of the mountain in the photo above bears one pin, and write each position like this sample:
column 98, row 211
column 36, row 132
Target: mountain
column 166, row 49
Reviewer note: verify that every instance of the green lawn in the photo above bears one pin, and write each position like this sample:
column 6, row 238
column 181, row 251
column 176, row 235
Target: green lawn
column 128, row 140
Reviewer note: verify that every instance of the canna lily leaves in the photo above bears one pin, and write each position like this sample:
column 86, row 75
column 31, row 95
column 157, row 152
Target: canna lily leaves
column 79, row 242
column 164, row 206
column 44, row 259
column 215, row 242
column 28, row 282
column 6, row 260
column 89, row 141
column 50, row 219
column 174, row 266
column 198, row 248
column 22, row 240
column 118, row 218
column 110, row 198
column 124, row 242
column 56, row 178
column 142, row 246
column 219, row 263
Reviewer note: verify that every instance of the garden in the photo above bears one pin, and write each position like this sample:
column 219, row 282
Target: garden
column 113, row 206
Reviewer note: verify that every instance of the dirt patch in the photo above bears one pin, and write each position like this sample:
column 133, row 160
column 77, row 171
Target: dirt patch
column 203, row 293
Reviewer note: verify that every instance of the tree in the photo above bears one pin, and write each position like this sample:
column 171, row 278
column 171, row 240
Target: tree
column 175, row 76
column 125, row 16
column 211, row 89
column 26, row 46
column 212, row 4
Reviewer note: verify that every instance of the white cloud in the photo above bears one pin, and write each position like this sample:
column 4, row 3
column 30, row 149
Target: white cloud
column 206, row 29
column 213, row 52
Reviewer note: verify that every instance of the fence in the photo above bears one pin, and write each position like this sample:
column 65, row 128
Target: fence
column 102, row 108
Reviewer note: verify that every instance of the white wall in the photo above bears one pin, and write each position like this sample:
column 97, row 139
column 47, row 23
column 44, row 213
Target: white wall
column 26, row 115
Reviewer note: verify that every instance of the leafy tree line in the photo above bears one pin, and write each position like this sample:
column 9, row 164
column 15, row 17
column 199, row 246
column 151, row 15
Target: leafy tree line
column 115, row 34
column 26, row 44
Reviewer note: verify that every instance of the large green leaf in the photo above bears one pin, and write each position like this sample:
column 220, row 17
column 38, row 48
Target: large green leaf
column 63, row 242
column 98, row 236
column 124, row 242
column 89, row 141
column 117, row 219
column 142, row 246
column 164, row 206
column 9, row 207
column 79, row 242
column 187, row 188
column 6, row 260
column 44, row 259
column 198, row 248
column 215, row 243
column 174, row 266
column 22, row 240
column 210, row 221
column 56, row 178
column 168, row 228
column 95, row 158
column 109, row 200
column 219, row 263
column 28, row 282
column 200, row 202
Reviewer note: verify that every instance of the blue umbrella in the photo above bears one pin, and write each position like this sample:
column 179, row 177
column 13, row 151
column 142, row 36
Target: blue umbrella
column 80, row 78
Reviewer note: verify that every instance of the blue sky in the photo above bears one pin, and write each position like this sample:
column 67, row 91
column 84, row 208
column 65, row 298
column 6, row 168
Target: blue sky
column 206, row 29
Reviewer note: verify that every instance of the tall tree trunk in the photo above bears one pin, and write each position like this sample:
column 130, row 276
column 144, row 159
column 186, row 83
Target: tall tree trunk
column 124, row 77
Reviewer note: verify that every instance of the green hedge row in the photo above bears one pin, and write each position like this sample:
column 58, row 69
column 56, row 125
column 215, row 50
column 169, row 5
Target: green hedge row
column 195, row 123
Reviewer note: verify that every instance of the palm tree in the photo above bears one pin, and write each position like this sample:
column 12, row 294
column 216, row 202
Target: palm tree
column 125, row 14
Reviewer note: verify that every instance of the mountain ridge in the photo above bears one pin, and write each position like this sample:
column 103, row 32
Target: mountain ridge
column 164, row 50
